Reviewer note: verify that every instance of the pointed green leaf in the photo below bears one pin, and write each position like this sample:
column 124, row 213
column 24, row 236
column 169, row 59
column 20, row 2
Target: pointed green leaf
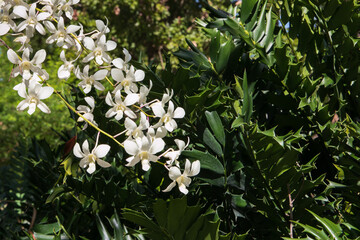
column 102, row 230
column 224, row 54
column 47, row 228
column 259, row 31
column 319, row 234
column 211, row 142
column 160, row 212
column 207, row 161
column 248, row 101
column 246, row 9
column 333, row 229
column 216, row 126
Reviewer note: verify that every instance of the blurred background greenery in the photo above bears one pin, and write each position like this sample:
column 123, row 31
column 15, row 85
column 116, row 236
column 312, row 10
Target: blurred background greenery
column 147, row 28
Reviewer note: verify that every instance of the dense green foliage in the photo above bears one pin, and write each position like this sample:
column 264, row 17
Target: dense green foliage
column 148, row 28
column 273, row 116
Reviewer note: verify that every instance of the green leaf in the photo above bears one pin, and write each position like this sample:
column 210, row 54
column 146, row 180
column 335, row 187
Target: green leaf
column 259, row 31
column 333, row 229
column 102, row 230
column 47, row 228
column 214, row 47
column 246, row 9
column 116, row 225
column 140, row 219
column 247, row 101
column 55, row 193
column 210, row 141
column 207, row 161
column 176, row 211
column 219, row 182
column 160, row 212
column 268, row 39
column 224, row 54
column 216, row 126
column 319, row 234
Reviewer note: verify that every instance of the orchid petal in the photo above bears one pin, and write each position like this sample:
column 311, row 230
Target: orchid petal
column 101, row 150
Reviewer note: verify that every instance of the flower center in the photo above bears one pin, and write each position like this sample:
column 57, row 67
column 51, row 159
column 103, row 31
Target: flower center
column 136, row 133
column 61, row 35
column 166, row 118
column 97, row 52
column 32, row 21
column 69, row 66
column 92, row 158
column 4, row 19
column 33, row 100
column 125, row 83
column 25, row 65
column 89, row 80
column 144, row 155
column 120, row 107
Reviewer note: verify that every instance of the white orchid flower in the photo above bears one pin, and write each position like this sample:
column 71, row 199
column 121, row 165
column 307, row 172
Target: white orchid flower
column 159, row 133
column 89, row 159
column 25, row 65
column 143, row 93
column 167, row 96
column 98, row 49
column 51, row 6
column 120, row 63
column 172, row 155
column 32, row 21
column 120, row 107
column 143, row 150
column 6, row 22
column 135, row 131
column 127, row 81
column 87, row 112
column 18, row 3
column 88, row 81
column 35, row 79
column 65, row 70
column 24, row 40
column 60, row 35
column 102, row 29
column 32, row 99
column 167, row 118
column 183, row 180
column 67, row 8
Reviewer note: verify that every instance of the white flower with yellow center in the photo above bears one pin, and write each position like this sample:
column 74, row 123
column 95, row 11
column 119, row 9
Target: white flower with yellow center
column 6, row 22
column 98, row 49
column 143, row 150
column 183, row 180
column 127, row 81
column 123, row 64
column 33, row 98
column 60, row 35
column 92, row 80
column 89, row 159
column 172, row 155
column 167, row 118
column 87, row 112
column 65, row 70
column 25, row 65
column 120, row 107
column 136, row 131
column 32, row 20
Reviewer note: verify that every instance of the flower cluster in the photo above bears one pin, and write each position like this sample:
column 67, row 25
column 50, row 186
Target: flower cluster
column 146, row 121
